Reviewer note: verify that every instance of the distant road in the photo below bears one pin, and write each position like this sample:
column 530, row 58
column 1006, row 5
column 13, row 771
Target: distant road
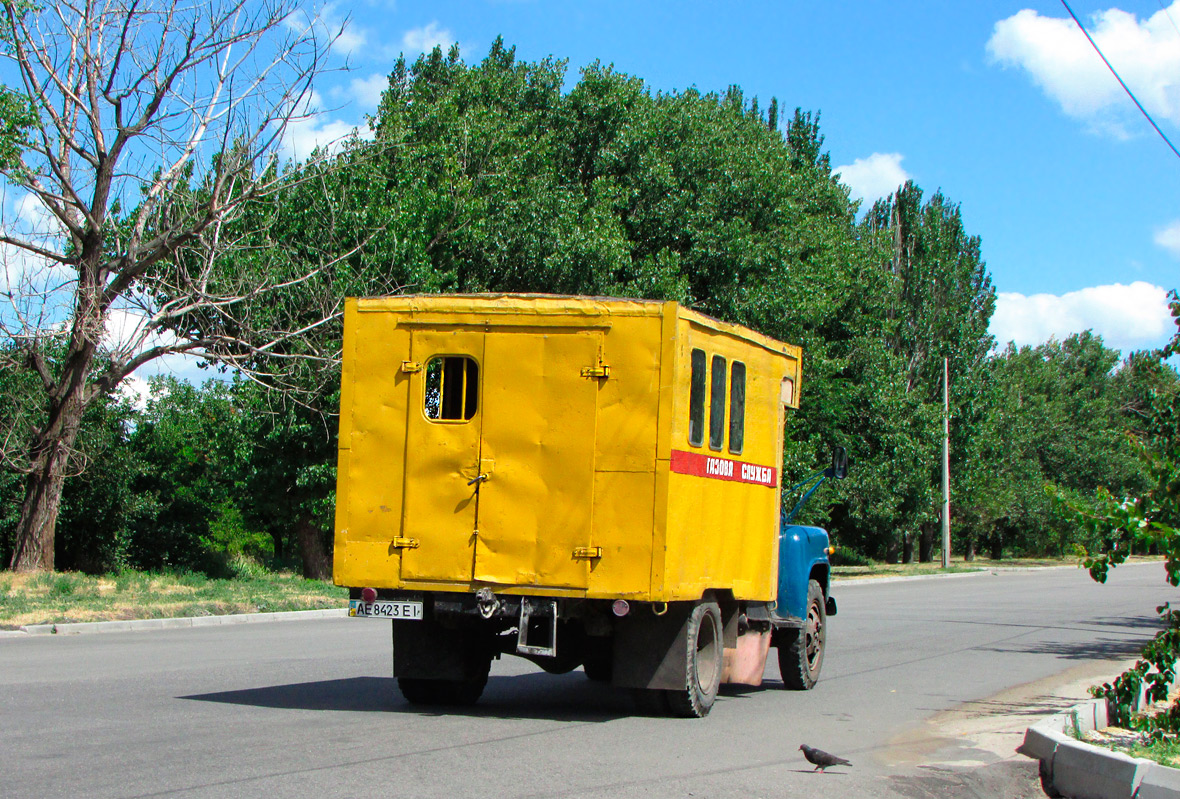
column 307, row 709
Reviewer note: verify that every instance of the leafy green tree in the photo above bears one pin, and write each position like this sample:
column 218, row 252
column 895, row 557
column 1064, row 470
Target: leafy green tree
column 124, row 102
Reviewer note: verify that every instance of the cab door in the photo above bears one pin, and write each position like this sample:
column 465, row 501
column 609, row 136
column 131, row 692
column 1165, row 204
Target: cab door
column 441, row 491
column 538, row 422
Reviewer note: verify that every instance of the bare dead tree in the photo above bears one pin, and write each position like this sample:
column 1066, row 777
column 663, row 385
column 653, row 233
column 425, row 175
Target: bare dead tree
column 153, row 125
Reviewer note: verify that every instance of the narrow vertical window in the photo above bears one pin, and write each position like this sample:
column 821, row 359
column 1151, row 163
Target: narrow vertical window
column 737, row 407
column 452, row 388
column 696, row 400
column 717, row 403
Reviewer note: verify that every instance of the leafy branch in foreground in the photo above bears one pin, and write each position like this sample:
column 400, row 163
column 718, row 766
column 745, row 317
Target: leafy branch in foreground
column 1151, row 521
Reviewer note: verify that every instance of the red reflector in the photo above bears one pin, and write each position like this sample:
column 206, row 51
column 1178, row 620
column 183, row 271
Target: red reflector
column 621, row 607
column 369, row 595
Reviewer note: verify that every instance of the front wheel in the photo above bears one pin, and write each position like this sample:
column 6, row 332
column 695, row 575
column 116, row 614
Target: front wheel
column 802, row 656
column 703, row 653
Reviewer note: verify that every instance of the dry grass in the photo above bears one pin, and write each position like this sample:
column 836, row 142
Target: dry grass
column 61, row 597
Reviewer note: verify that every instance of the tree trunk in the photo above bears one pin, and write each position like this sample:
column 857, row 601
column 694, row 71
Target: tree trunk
column 997, row 543
column 926, row 543
column 317, row 559
column 37, row 527
column 969, row 549
column 907, row 548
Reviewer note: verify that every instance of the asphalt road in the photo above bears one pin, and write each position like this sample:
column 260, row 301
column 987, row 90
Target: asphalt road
column 307, row 709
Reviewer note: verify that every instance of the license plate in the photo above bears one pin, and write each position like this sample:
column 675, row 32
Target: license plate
column 385, row 609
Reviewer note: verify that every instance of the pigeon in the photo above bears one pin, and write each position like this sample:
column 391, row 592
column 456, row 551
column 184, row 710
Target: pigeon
column 822, row 759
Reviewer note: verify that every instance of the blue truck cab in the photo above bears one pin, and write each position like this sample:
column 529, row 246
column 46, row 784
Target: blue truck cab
column 804, row 601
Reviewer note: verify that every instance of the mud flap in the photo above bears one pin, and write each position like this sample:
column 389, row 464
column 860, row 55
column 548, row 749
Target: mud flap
column 649, row 649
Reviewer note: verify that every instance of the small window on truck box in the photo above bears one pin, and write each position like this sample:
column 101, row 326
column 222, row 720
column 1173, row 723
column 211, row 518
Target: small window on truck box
column 717, row 403
column 696, row 400
column 737, row 407
column 452, row 388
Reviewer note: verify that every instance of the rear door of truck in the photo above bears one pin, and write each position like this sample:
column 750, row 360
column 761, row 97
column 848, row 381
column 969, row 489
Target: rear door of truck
column 500, row 455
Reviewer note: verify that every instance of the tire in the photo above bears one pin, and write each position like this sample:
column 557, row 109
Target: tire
column 418, row 691
column 598, row 662
column 703, row 661
column 801, row 656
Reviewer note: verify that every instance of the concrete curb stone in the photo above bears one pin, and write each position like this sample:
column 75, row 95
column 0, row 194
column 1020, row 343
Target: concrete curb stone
column 1071, row 768
column 76, row 628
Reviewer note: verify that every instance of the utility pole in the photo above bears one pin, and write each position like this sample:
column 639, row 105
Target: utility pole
column 946, row 464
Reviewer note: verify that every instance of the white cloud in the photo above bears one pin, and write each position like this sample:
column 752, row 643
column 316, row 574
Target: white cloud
column 135, row 389
column 1063, row 64
column 365, row 92
column 1127, row 317
column 315, row 129
column 1169, row 238
column 425, row 39
column 874, row 177
column 328, row 25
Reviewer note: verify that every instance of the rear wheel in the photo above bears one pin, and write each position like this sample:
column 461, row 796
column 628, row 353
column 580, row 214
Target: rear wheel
column 418, row 691
column 802, row 656
column 703, row 653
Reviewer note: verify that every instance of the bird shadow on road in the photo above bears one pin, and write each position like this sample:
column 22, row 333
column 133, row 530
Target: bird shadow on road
column 569, row 697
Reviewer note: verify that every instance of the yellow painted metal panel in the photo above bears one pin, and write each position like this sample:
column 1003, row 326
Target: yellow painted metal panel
column 623, row 510
column 575, row 464
column 539, row 428
column 442, row 457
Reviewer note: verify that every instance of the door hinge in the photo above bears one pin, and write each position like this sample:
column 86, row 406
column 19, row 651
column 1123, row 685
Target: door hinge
column 587, row 553
column 596, row 371
column 405, row 543
column 411, row 366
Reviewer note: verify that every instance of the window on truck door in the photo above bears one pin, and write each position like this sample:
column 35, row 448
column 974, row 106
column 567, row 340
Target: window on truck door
column 452, row 388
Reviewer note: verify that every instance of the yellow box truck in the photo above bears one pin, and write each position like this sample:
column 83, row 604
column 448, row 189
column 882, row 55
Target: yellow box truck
column 580, row 481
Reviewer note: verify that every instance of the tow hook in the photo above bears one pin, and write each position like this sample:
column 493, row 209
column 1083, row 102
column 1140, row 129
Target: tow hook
column 487, row 603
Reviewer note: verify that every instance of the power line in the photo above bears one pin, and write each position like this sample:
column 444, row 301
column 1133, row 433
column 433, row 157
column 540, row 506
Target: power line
column 1126, row 88
column 1168, row 14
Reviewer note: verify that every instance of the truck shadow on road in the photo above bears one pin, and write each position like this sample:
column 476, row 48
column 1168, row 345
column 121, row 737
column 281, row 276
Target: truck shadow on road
column 567, row 697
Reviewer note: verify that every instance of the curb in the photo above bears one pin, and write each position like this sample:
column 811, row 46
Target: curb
column 1071, row 768
column 76, row 628
column 993, row 570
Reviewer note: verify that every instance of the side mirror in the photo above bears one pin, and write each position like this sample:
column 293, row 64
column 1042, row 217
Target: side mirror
column 839, row 468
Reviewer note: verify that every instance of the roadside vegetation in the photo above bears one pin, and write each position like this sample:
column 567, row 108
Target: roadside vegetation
column 61, row 597
column 505, row 175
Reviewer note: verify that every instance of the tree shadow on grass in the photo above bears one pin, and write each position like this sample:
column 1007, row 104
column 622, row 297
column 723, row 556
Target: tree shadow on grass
column 568, row 697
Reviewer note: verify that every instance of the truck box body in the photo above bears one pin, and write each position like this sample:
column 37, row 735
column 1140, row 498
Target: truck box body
column 557, row 446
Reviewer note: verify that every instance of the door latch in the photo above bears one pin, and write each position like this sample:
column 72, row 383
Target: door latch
column 411, row 366
column 600, row 371
column 475, row 481
column 587, row 553
column 405, row 543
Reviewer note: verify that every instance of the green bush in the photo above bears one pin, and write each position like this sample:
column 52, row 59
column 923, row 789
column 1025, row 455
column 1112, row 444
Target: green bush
column 843, row 556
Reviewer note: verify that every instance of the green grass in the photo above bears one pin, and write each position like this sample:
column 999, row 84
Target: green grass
column 1166, row 752
column 61, row 597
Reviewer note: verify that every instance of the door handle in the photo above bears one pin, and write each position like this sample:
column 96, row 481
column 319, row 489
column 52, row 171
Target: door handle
column 475, row 481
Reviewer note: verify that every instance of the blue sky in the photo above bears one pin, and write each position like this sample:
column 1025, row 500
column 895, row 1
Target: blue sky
column 1004, row 107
